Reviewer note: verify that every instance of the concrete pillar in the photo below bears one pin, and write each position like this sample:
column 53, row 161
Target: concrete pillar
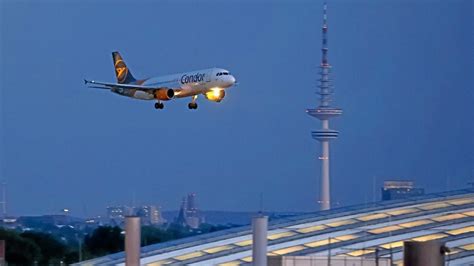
column 132, row 241
column 259, row 240
column 429, row 253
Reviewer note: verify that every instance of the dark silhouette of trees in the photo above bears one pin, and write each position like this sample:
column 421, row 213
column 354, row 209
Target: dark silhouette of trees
column 52, row 250
column 104, row 240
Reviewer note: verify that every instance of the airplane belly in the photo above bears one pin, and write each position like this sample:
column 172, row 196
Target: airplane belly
column 143, row 95
column 133, row 93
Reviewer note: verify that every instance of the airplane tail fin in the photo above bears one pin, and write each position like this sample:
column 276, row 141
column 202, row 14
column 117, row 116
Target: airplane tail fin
column 124, row 76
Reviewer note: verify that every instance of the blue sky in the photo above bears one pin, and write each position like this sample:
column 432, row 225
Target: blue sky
column 403, row 72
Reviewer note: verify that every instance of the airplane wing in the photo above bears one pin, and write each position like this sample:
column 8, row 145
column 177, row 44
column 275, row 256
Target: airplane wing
column 108, row 86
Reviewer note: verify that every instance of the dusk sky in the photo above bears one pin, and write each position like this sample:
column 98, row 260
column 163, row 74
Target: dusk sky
column 403, row 74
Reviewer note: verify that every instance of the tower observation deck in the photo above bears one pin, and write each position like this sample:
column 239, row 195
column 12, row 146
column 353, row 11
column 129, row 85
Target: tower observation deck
column 324, row 112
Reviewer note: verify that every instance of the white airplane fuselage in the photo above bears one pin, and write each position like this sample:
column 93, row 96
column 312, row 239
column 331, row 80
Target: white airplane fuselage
column 184, row 84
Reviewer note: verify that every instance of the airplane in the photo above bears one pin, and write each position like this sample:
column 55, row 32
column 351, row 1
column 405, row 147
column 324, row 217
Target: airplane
column 211, row 83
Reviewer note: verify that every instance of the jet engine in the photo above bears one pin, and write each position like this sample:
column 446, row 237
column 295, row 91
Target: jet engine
column 215, row 95
column 164, row 94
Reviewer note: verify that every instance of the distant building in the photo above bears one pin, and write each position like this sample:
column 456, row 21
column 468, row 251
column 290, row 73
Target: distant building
column 188, row 213
column 116, row 214
column 393, row 190
column 149, row 214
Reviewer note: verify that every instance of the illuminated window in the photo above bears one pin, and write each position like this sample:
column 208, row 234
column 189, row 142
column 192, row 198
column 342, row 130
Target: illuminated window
column 244, row 243
column 415, row 223
column 392, row 245
column 402, row 211
column 448, row 217
column 360, row 252
column 189, row 256
column 218, row 249
column 311, row 229
column 280, row 235
column 288, row 250
column 385, row 229
column 433, row 206
column 372, row 217
column 341, row 223
column 429, row 237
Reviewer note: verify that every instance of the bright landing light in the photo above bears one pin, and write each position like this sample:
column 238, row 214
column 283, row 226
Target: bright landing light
column 216, row 92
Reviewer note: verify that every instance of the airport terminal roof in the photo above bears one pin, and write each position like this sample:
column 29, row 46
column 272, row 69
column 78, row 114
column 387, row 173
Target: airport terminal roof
column 353, row 231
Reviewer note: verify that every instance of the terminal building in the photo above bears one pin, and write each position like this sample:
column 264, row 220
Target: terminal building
column 393, row 190
column 363, row 231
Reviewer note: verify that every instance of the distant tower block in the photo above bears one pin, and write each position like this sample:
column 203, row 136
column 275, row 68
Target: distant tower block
column 325, row 112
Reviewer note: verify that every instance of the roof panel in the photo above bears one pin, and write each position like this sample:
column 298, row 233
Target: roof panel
column 161, row 262
column 464, row 230
column 284, row 251
column 231, row 263
column 371, row 217
column 448, row 217
column 396, row 244
column 433, row 206
column 360, row 252
column 311, row 229
column 468, row 247
column 341, row 223
column 345, row 237
column 218, row 249
column 415, row 223
column 320, row 243
column 385, row 229
column 281, row 235
column 189, row 255
column 402, row 211
column 461, row 201
column 244, row 243
column 429, row 237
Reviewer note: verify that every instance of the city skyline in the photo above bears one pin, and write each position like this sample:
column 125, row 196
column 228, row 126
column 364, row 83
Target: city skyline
column 404, row 80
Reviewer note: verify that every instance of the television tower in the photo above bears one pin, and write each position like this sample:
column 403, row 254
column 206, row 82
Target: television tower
column 324, row 112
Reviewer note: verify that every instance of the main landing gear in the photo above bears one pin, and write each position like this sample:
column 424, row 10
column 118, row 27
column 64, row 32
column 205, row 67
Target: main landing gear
column 159, row 105
column 193, row 104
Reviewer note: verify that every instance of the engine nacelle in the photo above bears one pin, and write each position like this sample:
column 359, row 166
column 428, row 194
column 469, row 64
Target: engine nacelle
column 164, row 94
column 215, row 95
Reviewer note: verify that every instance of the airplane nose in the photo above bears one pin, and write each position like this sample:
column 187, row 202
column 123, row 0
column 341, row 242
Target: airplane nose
column 232, row 80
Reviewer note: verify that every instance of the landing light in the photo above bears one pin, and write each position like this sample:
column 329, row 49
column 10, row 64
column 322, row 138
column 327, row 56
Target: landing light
column 216, row 92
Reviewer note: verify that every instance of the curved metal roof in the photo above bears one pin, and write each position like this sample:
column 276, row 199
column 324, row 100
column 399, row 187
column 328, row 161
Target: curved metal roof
column 349, row 231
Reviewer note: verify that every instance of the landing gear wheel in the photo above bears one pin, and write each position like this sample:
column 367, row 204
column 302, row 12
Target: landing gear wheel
column 159, row 105
column 192, row 105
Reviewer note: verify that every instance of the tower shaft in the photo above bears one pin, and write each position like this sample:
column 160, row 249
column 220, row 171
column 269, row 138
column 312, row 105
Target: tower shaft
column 325, row 192
column 324, row 112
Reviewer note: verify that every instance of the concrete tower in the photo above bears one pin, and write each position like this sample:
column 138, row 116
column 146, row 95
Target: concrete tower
column 325, row 112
